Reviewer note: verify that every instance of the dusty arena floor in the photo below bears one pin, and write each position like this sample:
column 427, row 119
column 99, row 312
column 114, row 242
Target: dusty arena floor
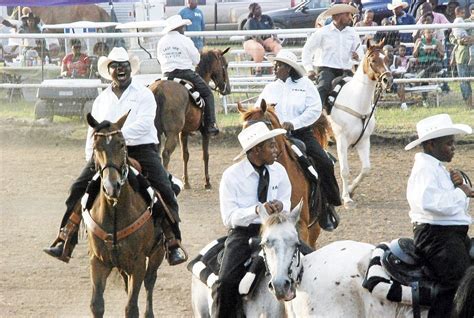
column 37, row 169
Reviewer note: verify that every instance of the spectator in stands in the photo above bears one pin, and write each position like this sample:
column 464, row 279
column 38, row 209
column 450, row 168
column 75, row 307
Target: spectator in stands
column 465, row 62
column 99, row 49
column 401, row 66
column 367, row 21
column 195, row 15
column 75, row 64
column 359, row 15
column 438, row 18
column 257, row 45
column 400, row 17
column 31, row 26
column 450, row 10
column 391, row 37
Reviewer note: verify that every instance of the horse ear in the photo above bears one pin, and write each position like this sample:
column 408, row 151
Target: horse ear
column 368, row 44
column 91, row 120
column 263, row 106
column 226, row 50
column 240, row 108
column 294, row 215
column 262, row 212
column 381, row 44
column 122, row 120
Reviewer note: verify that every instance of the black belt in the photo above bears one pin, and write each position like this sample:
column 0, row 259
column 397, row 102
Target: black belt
column 251, row 230
column 142, row 147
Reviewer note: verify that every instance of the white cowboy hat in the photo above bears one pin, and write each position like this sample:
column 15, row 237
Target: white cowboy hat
column 254, row 134
column 175, row 21
column 340, row 8
column 118, row 54
column 289, row 58
column 396, row 4
column 437, row 126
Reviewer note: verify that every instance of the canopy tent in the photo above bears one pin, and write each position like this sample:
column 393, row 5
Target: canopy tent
column 49, row 3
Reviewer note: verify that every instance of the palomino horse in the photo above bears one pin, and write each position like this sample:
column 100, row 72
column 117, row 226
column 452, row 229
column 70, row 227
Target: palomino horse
column 178, row 115
column 267, row 298
column 328, row 282
column 351, row 118
column 121, row 233
column 309, row 231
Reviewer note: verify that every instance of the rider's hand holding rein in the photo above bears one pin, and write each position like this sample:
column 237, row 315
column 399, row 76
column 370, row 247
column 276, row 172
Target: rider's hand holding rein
column 458, row 182
column 274, row 206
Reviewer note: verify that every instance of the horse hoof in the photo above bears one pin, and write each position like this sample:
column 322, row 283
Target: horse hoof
column 187, row 186
column 208, row 187
column 349, row 204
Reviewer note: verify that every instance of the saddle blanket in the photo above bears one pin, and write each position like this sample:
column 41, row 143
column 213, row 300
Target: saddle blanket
column 192, row 91
column 380, row 284
column 206, row 266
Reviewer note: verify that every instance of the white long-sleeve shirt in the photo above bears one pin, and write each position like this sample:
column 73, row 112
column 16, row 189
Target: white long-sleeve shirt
column 331, row 48
column 432, row 196
column 139, row 128
column 296, row 102
column 177, row 51
column 238, row 193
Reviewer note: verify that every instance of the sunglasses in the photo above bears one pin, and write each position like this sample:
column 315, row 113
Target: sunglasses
column 119, row 64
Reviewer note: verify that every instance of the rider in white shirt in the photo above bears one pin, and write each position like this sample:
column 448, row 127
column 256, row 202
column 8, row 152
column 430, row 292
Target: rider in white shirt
column 179, row 57
column 334, row 47
column 439, row 208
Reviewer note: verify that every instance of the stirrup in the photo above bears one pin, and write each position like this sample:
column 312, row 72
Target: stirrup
column 175, row 244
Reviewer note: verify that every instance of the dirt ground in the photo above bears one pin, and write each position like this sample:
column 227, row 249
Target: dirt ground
column 37, row 169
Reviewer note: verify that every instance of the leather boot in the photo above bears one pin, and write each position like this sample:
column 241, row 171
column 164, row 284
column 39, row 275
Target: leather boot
column 62, row 246
column 175, row 253
column 60, row 251
column 212, row 129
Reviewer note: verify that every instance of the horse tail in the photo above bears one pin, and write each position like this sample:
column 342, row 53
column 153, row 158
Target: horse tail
column 322, row 130
column 464, row 299
column 160, row 99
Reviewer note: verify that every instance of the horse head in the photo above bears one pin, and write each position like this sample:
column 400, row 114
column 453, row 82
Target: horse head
column 110, row 155
column 280, row 245
column 374, row 65
column 213, row 66
column 265, row 113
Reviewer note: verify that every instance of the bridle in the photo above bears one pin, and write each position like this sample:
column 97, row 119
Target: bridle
column 295, row 278
column 123, row 169
column 380, row 75
column 215, row 80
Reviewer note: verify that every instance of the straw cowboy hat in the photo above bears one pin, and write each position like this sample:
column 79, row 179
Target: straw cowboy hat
column 26, row 12
column 118, row 54
column 289, row 58
column 254, row 134
column 435, row 127
column 174, row 22
column 396, row 4
column 339, row 8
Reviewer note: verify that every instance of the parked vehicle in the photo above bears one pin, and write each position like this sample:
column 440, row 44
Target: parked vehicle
column 226, row 14
column 301, row 16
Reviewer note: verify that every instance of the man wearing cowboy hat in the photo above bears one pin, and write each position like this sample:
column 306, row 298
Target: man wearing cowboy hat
column 400, row 17
column 334, row 47
column 122, row 96
column 178, row 58
column 257, row 179
column 439, row 208
column 298, row 107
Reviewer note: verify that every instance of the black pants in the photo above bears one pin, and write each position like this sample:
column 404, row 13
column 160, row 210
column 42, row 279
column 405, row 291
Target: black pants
column 445, row 250
column 203, row 89
column 323, row 165
column 325, row 77
column 152, row 169
column 225, row 291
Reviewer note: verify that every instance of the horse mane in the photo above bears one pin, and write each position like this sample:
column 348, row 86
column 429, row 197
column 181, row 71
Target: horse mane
column 205, row 64
column 273, row 219
column 102, row 125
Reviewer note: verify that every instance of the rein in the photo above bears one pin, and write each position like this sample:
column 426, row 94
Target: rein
column 217, row 89
column 296, row 256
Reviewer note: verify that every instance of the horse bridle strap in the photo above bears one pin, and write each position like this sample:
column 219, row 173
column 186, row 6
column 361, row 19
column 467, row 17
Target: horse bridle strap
column 351, row 111
column 108, row 237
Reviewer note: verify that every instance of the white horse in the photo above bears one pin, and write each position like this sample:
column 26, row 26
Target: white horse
column 281, row 243
column 351, row 112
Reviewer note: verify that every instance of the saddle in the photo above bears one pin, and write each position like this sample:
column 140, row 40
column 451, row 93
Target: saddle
column 196, row 96
column 336, row 85
column 328, row 219
column 207, row 263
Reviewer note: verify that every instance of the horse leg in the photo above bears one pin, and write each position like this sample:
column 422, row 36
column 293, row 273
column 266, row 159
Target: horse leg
column 170, row 145
column 342, row 154
column 205, row 158
column 363, row 150
column 99, row 274
column 135, row 280
column 154, row 263
column 183, row 139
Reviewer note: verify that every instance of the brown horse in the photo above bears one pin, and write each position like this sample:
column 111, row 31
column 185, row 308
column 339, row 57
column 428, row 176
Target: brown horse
column 309, row 230
column 68, row 14
column 178, row 115
column 121, row 233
